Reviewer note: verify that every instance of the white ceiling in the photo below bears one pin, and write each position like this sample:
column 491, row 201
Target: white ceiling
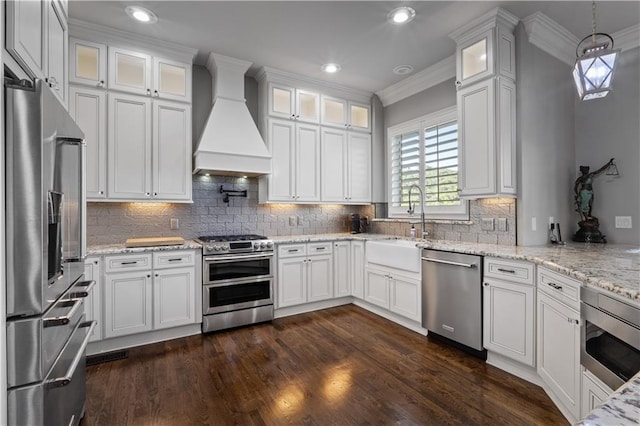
column 300, row 36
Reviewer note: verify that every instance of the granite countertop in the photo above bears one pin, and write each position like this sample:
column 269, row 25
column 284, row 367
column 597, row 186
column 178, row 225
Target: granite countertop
column 99, row 249
column 622, row 407
column 612, row 267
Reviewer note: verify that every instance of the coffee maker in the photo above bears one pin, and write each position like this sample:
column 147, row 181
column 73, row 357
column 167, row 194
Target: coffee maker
column 358, row 224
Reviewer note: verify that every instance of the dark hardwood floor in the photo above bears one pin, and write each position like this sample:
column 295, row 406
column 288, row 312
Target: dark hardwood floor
column 337, row 366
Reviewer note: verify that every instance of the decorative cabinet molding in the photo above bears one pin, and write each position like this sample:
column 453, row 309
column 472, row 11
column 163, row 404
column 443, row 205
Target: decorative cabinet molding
column 486, row 99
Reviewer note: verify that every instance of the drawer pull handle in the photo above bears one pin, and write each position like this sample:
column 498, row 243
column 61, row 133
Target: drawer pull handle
column 178, row 259
column 135, row 262
column 320, row 248
column 292, row 250
column 511, row 271
column 556, row 286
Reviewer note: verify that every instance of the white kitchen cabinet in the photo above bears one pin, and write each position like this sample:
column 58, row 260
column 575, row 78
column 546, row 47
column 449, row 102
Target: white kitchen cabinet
column 558, row 354
column 87, row 63
column 376, row 288
column 594, row 393
column 295, row 150
column 305, row 273
column 88, row 107
column 130, row 71
column 345, row 114
column 93, row 302
column 346, row 167
column 174, row 297
column 342, row 275
column 129, row 147
column 357, row 269
column 405, row 296
column 128, row 303
column 294, row 104
column 171, row 80
column 37, row 37
column 508, row 323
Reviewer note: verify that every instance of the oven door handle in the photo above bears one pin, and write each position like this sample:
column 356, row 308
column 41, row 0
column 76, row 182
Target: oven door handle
column 238, row 258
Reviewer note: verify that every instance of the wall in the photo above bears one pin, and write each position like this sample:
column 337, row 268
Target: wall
column 378, row 132
column 115, row 222
column 545, row 142
column 200, row 101
column 608, row 128
column 431, row 100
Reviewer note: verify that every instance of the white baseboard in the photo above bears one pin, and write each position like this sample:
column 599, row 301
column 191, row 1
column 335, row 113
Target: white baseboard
column 310, row 307
column 522, row 371
column 405, row 322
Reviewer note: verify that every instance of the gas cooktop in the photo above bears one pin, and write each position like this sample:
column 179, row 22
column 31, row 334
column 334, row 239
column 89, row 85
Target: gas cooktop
column 229, row 244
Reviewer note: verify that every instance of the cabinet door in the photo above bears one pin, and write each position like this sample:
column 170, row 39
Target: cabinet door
column 406, row 297
column 333, row 160
column 359, row 116
column 25, row 34
column 89, row 110
column 171, row 151
column 357, row 269
column 475, row 58
column 342, row 269
column 334, row 112
column 57, row 51
column 129, row 147
column 292, row 281
column 307, row 163
column 282, row 101
column 320, row 278
column 476, row 132
column 174, row 297
column 376, row 288
column 506, row 137
column 87, row 63
column 594, row 393
column 128, row 303
column 172, row 80
column 307, row 106
column 93, row 302
column 359, row 168
column 559, row 351
column 129, row 71
column 509, row 320
column 282, row 147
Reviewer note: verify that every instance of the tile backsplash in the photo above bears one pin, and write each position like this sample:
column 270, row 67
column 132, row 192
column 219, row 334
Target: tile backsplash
column 115, row 222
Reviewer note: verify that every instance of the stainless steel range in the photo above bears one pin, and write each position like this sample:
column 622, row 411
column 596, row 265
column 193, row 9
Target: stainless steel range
column 237, row 280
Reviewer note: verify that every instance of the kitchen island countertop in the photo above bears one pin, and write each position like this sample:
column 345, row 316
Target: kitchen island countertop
column 622, row 407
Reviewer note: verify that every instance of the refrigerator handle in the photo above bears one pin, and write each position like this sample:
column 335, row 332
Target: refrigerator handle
column 66, row 379
column 83, row 193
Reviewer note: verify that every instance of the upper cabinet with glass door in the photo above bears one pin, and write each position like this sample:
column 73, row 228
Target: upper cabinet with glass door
column 342, row 113
column 294, row 104
column 171, row 80
column 87, row 63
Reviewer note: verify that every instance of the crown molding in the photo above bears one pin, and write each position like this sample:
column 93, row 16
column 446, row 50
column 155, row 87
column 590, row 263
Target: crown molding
column 546, row 34
column 103, row 34
column 483, row 23
column 428, row 77
column 627, row 39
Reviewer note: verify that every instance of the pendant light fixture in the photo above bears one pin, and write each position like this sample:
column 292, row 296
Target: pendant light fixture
column 593, row 71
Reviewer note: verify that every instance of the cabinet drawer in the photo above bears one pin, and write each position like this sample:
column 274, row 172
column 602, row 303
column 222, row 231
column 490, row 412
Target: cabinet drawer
column 129, row 262
column 509, row 270
column 292, row 250
column 560, row 287
column 320, row 248
column 171, row 259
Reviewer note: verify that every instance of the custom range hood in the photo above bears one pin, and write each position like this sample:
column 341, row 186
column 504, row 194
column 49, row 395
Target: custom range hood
column 230, row 143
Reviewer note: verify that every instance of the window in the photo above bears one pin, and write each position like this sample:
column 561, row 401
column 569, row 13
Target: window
column 424, row 152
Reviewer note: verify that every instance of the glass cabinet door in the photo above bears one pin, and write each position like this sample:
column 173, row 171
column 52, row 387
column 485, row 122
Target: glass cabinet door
column 88, row 63
column 475, row 58
column 129, row 71
column 172, row 80
column 281, row 101
column 359, row 116
column 334, row 112
column 308, row 106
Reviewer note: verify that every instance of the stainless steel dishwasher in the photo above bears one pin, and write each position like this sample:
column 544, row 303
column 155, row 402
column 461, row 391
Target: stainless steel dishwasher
column 452, row 296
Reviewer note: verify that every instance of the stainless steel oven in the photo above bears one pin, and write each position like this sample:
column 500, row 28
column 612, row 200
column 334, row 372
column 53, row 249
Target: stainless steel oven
column 610, row 341
column 237, row 277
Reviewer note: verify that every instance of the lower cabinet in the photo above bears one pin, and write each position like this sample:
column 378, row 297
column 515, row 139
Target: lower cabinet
column 508, row 320
column 394, row 290
column 594, row 392
column 559, row 351
column 93, row 302
column 141, row 294
column 305, row 273
column 357, row 269
column 342, row 276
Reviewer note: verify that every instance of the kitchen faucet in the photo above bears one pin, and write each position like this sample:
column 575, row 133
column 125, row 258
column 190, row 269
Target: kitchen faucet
column 411, row 210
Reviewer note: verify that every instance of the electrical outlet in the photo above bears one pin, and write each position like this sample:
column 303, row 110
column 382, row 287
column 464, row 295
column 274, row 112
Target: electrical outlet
column 175, row 224
column 534, row 224
column 292, row 221
column 551, row 220
column 623, row 222
column 488, row 224
column 502, row 224
column 300, row 219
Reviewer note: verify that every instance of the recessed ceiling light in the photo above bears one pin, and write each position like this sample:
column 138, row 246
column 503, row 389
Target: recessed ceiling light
column 401, row 15
column 141, row 14
column 403, row 69
column 331, row 68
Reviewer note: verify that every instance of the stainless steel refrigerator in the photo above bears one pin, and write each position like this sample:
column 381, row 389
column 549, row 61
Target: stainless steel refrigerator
column 45, row 244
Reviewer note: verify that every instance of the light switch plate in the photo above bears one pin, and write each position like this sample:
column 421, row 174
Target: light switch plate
column 623, row 222
column 300, row 219
column 175, row 224
column 488, row 224
column 292, row 221
column 502, row 224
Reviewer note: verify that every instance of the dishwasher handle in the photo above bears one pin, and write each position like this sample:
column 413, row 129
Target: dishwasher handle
column 449, row 262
